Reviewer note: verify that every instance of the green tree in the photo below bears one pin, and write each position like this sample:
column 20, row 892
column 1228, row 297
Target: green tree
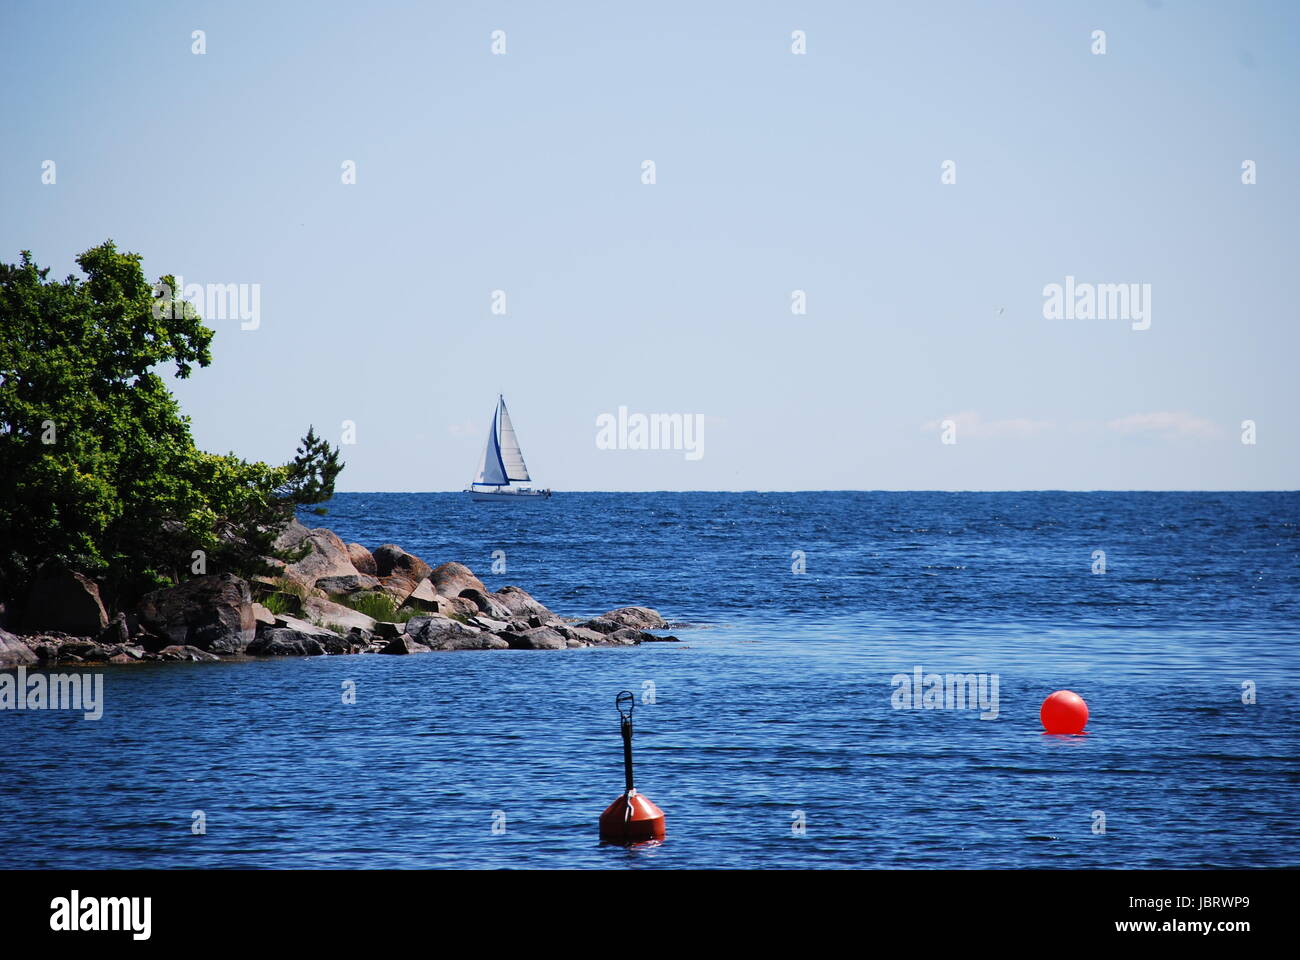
column 98, row 468
column 312, row 471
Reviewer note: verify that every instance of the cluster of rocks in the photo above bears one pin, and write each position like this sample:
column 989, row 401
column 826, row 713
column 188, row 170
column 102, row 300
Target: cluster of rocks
column 215, row 616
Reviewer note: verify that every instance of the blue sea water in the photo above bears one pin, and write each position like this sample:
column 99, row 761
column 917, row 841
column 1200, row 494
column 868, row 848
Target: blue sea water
column 775, row 707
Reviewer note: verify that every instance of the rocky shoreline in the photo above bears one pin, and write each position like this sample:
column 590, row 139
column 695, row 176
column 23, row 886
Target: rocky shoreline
column 338, row 598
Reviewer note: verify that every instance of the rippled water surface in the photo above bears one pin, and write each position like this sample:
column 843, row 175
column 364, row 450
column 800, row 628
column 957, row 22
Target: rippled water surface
column 777, row 700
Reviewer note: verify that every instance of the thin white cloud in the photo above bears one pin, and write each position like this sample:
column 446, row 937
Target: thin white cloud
column 971, row 424
column 1163, row 423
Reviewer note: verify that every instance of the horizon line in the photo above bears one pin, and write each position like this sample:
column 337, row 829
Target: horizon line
column 881, row 490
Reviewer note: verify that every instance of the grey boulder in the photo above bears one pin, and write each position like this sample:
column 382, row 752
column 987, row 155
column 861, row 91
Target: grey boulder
column 185, row 652
column 521, row 604
column 283, row 642
column 403, row 645
column 538, row 638
column 639, row 618
column 350, row 583
column 487, row 604
column 213, row 613
column 580, row 635
column 443, row 633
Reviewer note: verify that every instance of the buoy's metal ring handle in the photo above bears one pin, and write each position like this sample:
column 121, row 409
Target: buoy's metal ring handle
column 628, row 699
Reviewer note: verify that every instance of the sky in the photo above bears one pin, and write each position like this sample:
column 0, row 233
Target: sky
column 774, row 171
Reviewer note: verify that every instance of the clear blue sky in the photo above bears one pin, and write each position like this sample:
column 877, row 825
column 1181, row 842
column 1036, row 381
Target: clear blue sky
column 775, row 172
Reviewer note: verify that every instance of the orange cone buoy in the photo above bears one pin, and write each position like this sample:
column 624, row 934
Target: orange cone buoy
column 632, row 818
column 1064, row 712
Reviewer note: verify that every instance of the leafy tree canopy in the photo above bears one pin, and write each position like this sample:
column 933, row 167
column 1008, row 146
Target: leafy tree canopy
column 98, row 470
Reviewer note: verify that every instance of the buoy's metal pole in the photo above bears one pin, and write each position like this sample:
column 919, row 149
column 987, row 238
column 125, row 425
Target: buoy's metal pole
column 632, row 818
column 625, row 702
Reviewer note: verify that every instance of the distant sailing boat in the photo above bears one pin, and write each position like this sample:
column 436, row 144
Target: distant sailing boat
column 503, row 462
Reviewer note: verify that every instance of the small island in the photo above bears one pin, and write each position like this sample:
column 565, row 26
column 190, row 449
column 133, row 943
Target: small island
column 122, row 542
column 337, row 599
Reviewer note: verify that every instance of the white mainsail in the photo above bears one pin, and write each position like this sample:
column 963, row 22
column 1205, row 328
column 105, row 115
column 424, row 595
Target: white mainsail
column 511, row 456
column 491, row 469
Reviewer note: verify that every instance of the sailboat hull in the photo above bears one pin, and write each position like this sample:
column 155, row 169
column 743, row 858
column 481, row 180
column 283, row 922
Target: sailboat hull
column 505, row 496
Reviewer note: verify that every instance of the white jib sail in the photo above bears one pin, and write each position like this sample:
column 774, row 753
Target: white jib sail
column 511, row 456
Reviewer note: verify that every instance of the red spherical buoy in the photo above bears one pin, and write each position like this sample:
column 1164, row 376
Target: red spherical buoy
column 1064, row 712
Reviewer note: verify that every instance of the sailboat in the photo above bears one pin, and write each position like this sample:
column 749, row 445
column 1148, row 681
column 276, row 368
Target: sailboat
column 503, row 464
